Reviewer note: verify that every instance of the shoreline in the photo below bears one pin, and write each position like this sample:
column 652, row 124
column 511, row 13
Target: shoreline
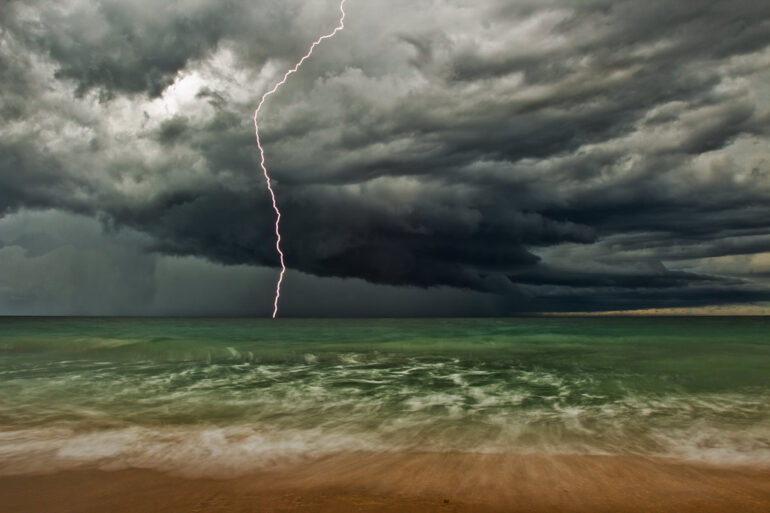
column 396, row 482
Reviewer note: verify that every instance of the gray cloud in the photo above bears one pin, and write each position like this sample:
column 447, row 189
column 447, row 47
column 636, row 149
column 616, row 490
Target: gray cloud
column 556, row 155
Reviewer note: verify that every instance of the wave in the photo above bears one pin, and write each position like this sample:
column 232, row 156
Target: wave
column 238, row 414
column 239, row 449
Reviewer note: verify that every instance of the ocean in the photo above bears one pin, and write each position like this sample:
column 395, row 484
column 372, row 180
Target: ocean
column 229, row 396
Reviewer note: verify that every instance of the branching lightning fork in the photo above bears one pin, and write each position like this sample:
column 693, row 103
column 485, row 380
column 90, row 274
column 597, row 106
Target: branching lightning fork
column 262, row 151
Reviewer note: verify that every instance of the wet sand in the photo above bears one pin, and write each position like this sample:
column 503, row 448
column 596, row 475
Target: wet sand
column 400, row 482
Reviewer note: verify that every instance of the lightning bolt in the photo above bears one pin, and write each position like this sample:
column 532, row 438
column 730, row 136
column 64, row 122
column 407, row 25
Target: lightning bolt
column 262, row 151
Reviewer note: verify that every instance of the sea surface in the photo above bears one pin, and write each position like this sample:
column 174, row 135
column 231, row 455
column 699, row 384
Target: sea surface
column 227, row 396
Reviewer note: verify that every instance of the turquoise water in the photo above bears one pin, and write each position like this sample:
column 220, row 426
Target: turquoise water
column 234, row 395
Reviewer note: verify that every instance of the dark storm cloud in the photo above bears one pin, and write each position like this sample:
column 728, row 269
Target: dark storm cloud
column 633, row 299
column 139, row 46
column 462, row 144
column 658, row 279
column 29, row 176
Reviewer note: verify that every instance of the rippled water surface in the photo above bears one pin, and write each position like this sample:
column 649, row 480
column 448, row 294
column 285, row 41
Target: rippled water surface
column 235, row 395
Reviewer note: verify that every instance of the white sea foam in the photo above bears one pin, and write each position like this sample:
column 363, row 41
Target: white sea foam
column 213, row 451
column 237, row 449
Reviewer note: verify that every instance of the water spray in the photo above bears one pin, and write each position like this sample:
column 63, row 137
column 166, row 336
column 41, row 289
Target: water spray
column 262, row 151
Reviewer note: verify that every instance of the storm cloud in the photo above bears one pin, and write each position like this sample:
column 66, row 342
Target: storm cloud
column 547, row 155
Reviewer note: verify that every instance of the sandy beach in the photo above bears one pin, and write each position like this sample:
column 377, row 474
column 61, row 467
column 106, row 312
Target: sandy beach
column 423, row 482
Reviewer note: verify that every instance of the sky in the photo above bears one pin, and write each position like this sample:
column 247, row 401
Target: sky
column 436, row 157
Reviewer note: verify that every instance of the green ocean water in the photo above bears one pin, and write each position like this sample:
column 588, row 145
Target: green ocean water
column 238, row 394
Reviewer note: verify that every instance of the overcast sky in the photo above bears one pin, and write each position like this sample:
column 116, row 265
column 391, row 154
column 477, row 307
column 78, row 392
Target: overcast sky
column 436, row 157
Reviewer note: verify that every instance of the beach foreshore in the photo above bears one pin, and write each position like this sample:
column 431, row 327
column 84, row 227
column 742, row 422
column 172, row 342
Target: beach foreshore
column 405, row 482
